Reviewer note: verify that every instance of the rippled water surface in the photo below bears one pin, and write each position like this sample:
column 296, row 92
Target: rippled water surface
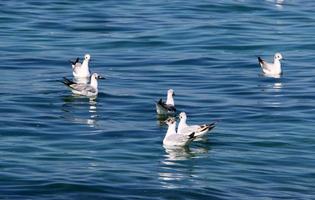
column 58, row 146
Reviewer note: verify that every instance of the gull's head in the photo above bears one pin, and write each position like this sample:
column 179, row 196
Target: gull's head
column 97, row 76
column 182, row 115
column 278, row 56
column 171, row 92
column 170, row 121
column 87, row 57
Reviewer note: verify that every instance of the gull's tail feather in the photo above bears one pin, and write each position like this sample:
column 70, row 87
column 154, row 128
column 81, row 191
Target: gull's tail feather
column 67, row 82
column 75, row 62
column 211, row 126
column 160, row 102
column 207, row 127
column 192, row 135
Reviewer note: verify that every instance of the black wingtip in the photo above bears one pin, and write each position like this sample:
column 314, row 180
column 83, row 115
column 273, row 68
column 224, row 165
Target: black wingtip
column 209, row 126
column 212, row 125
column 160, row 102
column 75, row 62
column 192, row 135
column 66, row 81
column 260, row 60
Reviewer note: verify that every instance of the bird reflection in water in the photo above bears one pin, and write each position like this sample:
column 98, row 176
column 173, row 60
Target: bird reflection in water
column 184, row 153
column 272, row 94
column 278, row 3
column 174, row 168
column 275, row 87
column 80, row 110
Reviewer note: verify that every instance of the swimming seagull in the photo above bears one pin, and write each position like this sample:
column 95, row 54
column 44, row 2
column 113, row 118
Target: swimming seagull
column 271, row 69
column 81, row 70
column 200, row 130
column 82, row 88
column 172, row 139
column 168, row 107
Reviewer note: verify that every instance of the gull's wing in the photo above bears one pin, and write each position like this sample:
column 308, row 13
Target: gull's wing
column 81, row 87
column 198, row 129
column 165, row 106
column 67, row 82
column 265, row 65
column 76, row 67
column 206, row 127
column 180, row 139
column 76, row 63
column 189, row 129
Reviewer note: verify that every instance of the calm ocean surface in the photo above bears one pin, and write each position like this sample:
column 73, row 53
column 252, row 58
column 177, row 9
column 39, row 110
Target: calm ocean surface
column 57, row 146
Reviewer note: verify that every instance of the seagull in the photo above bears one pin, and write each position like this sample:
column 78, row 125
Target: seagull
column 199, row 130
column 172, row 139
column 81, row 70
column 82, row 88
column 271, row 69
column 168, row 107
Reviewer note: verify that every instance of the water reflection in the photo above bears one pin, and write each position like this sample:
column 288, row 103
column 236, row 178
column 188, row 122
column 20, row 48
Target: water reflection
column 175, row 170
column 272, row 87
column 180, row 153
column 80, row 110
column 272, row 94
column 277, row 86
column 278, row 3
column 184, row 153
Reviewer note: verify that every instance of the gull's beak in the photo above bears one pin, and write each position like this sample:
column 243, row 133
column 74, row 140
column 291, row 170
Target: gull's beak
column 101, row 77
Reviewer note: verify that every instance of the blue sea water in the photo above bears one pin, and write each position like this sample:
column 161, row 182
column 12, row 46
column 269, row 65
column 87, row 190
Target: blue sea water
column 54, row 145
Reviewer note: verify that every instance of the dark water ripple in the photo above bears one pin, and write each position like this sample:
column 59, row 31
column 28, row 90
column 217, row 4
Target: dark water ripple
column 57, row 146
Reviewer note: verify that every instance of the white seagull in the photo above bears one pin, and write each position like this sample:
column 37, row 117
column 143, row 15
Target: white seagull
column 200, row 130
column 271, row 69
column 81, row 70
column 89, row 90
column 172, row 139
column 168, row 107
